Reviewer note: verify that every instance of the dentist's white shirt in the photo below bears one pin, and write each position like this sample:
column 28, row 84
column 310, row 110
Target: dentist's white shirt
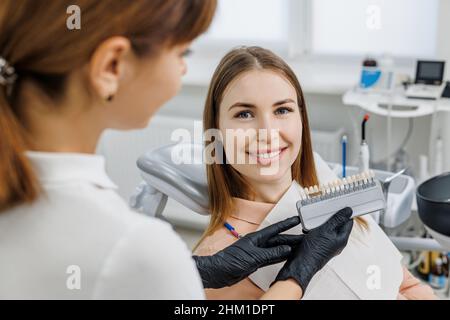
column 80, row 240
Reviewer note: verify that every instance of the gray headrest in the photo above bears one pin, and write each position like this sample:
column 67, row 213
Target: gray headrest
column 163, row 168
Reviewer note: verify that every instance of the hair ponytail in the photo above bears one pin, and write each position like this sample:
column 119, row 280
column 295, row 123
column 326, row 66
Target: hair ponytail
column 17, row 181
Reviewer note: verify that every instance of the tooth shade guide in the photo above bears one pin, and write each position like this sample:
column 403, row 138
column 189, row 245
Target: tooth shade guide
column 312, row 191
column 360, row 192
column 338, row 187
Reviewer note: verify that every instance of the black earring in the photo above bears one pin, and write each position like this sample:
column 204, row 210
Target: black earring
column 110, row 98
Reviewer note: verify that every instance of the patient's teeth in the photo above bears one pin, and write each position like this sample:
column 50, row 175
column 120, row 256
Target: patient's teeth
column 268, row 155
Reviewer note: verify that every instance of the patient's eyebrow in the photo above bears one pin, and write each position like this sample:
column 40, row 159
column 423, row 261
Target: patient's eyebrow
column 249, row 105
column 283, row 102
column 242, row 104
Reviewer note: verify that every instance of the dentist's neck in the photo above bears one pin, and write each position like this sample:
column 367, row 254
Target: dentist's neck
column 271, row 191
column 69, row 126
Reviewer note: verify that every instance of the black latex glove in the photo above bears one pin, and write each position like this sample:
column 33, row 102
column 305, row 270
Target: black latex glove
column 316, row 248
column 245, row 256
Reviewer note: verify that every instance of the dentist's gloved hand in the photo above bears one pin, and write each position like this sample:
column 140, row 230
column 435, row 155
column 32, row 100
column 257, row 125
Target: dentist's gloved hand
column 316, row 248
column 245, row 256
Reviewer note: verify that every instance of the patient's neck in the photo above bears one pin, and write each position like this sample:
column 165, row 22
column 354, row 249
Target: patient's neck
column 271, row 191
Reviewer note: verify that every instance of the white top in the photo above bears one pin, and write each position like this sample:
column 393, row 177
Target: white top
column 80, row 240
column 369, row 267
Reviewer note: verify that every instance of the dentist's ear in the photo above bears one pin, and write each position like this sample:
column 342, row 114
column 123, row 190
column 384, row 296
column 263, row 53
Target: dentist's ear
column 108, row 65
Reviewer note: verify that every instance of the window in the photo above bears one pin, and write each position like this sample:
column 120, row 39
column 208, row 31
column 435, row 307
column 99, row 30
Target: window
column 249, row 22
column 402, row 28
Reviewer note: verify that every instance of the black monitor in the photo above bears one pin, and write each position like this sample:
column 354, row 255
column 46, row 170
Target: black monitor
column 430, row 72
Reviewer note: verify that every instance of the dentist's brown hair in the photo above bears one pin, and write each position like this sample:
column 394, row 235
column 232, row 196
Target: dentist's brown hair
column 35, row 40
column 224, row 182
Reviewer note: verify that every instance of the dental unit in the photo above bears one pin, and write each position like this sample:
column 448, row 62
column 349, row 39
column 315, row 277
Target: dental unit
column 364, row 155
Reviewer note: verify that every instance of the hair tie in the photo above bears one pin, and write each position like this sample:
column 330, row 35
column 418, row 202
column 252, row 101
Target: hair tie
column 7, row 73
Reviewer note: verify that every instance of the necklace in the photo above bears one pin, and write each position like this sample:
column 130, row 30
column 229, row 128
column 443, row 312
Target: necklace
column 253, row 223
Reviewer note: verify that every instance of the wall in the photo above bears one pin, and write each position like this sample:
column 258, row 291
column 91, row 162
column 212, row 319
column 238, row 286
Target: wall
column 444, row 54
column 326, row 111
column 444, row 35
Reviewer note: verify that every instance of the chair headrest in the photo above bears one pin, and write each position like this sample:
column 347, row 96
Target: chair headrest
column 178, row 170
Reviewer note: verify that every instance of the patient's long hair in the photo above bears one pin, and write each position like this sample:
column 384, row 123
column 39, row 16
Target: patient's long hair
column 224, row 182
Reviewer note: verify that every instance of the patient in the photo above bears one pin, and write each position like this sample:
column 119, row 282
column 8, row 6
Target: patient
column 252, row 88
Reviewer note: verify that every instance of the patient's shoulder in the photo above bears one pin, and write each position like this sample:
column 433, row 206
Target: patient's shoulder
column 215, row 242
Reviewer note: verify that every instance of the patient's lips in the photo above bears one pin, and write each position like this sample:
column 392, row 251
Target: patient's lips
column 267, row 156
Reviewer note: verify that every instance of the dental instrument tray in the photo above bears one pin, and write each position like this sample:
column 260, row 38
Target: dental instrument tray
column 361, row 192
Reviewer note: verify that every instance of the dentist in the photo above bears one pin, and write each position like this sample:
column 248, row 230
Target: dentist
column 64, row 232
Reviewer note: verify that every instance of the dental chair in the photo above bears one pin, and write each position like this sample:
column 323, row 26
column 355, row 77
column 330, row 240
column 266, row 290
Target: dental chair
column 166, row 174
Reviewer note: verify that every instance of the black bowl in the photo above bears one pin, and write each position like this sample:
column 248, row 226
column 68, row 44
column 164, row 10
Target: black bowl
column 433, row 202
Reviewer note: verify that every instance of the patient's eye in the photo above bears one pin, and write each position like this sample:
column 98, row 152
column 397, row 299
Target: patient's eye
column 283, row 110
column 244, row 115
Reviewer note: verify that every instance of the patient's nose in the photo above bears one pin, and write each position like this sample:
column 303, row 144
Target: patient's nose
column 268, row 132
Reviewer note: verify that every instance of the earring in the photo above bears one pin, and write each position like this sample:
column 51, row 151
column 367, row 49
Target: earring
column 110, row 98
